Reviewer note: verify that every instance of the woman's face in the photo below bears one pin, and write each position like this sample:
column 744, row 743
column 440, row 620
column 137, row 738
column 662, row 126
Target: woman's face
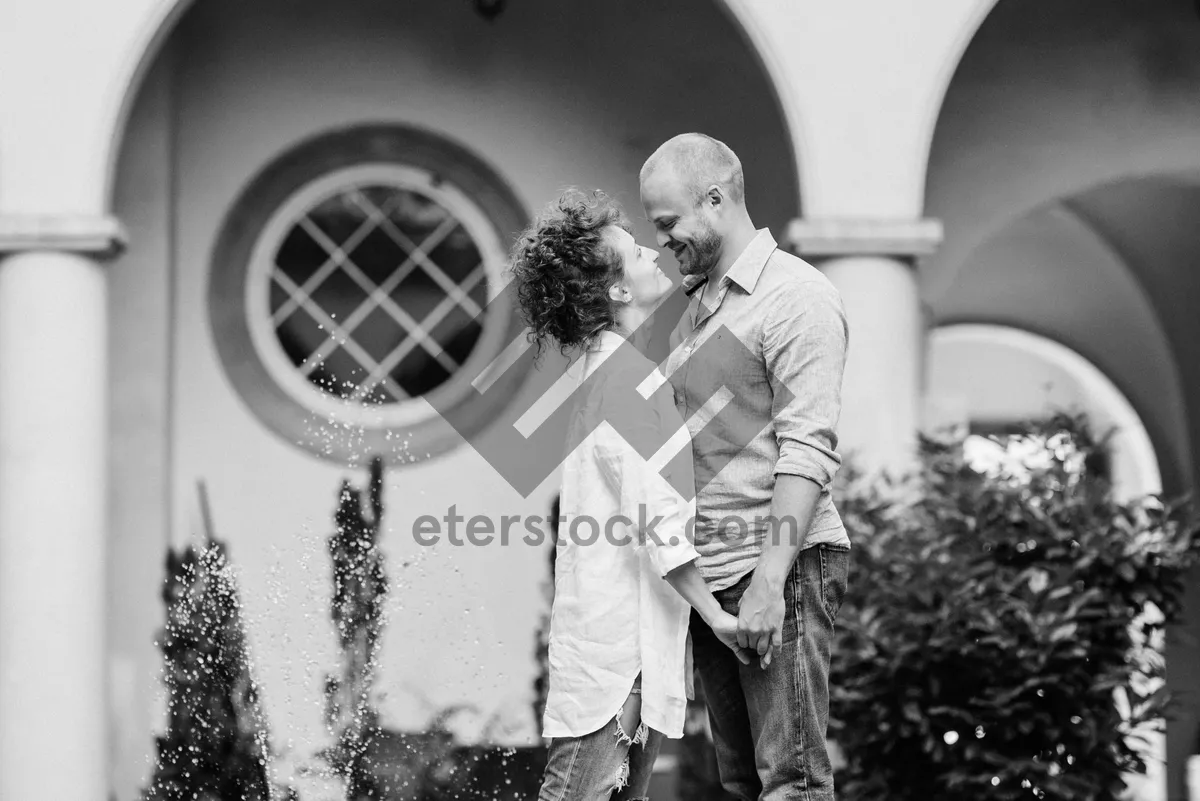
column 643, row 280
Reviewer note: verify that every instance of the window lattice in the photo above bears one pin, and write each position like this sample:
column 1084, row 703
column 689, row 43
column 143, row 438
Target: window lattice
column 377, row 294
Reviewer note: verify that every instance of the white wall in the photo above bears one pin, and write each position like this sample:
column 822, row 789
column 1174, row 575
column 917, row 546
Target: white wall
column 64, row 72
column 549, row 97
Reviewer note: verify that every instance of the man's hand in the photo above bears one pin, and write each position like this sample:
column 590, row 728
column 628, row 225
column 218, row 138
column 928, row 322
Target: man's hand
column 760, row 621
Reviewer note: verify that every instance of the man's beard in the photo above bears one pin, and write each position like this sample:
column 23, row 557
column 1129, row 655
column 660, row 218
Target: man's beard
column 705, row 252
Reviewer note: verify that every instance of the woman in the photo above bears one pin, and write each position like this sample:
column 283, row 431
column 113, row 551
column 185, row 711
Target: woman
column 618, row 672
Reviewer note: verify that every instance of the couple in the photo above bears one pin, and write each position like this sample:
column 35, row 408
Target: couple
column 758, row 607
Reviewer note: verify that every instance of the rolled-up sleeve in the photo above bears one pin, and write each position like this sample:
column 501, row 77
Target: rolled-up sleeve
column 647, row 494
column 805, row 337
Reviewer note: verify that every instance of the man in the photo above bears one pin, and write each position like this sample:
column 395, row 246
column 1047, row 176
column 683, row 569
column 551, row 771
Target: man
column 771, row 329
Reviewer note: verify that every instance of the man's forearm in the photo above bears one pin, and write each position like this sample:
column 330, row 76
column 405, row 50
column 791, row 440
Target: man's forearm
column 792, row 507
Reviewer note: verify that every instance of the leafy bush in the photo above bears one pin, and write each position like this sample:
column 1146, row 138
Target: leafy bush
column 995, row 625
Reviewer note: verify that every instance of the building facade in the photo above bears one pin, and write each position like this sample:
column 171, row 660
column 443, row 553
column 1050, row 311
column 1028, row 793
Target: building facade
column 228, row 228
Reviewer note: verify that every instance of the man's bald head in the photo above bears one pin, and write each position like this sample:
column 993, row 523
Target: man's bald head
column 697, row 161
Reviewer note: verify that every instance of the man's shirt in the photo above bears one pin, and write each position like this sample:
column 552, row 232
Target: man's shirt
column 776, row 339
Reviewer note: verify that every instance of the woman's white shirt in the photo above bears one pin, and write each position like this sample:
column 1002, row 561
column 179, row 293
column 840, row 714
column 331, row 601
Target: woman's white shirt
column 623, row 527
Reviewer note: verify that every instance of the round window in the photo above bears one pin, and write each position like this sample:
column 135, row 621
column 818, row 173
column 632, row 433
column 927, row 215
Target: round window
column 357, row 285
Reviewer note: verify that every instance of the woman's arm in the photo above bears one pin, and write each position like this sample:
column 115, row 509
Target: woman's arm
column 688, row 582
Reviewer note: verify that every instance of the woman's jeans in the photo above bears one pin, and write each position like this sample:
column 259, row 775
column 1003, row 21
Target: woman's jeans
column 769, row 725
column 606, row 764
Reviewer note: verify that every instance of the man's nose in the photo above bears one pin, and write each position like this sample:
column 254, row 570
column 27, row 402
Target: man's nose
column 662, row 238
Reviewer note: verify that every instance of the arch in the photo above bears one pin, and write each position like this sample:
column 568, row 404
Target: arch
column 165, row 14
column 145, row 45
column 1135, row 461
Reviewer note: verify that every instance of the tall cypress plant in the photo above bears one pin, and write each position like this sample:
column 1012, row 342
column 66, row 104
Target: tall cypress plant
column 359, row 590
column 215, row 747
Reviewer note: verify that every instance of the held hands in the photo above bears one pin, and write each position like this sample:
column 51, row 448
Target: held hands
column 760, row 622
column 725, row 626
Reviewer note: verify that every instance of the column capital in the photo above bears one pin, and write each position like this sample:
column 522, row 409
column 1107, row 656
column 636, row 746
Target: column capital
column 102, row 237
column 845, row 236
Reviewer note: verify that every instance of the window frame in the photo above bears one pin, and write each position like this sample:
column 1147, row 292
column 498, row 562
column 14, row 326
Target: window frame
column 267, row 381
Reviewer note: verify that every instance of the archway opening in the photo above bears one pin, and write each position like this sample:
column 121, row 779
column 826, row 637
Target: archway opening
column 994, row 378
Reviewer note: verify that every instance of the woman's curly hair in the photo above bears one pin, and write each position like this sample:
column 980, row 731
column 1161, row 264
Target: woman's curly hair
column 563, row 267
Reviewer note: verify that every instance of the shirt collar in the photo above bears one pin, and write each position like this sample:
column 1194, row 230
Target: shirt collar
column 747, row 268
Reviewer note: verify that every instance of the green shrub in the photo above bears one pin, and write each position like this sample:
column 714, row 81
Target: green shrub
column 995, row 622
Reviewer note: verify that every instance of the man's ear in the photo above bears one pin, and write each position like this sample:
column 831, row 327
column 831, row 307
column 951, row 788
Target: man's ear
column 714, row 196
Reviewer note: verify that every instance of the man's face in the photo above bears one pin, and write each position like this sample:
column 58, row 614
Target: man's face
column 682, row 225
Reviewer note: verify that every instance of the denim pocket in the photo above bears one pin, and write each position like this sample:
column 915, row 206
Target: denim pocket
column 835, row 568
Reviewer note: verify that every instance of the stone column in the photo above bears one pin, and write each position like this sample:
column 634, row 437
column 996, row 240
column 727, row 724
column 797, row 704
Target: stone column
column 872, row 263
column 53, row 490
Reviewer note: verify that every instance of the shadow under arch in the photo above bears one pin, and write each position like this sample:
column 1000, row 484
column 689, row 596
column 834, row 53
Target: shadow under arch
column 165, row 15
column 1004, row 139
column 941, row 85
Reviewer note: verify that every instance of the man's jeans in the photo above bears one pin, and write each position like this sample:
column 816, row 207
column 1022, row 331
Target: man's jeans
column 769, row 725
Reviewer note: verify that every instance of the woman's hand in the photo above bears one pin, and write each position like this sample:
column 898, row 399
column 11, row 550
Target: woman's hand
column 687, row 581
column 725, row 626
